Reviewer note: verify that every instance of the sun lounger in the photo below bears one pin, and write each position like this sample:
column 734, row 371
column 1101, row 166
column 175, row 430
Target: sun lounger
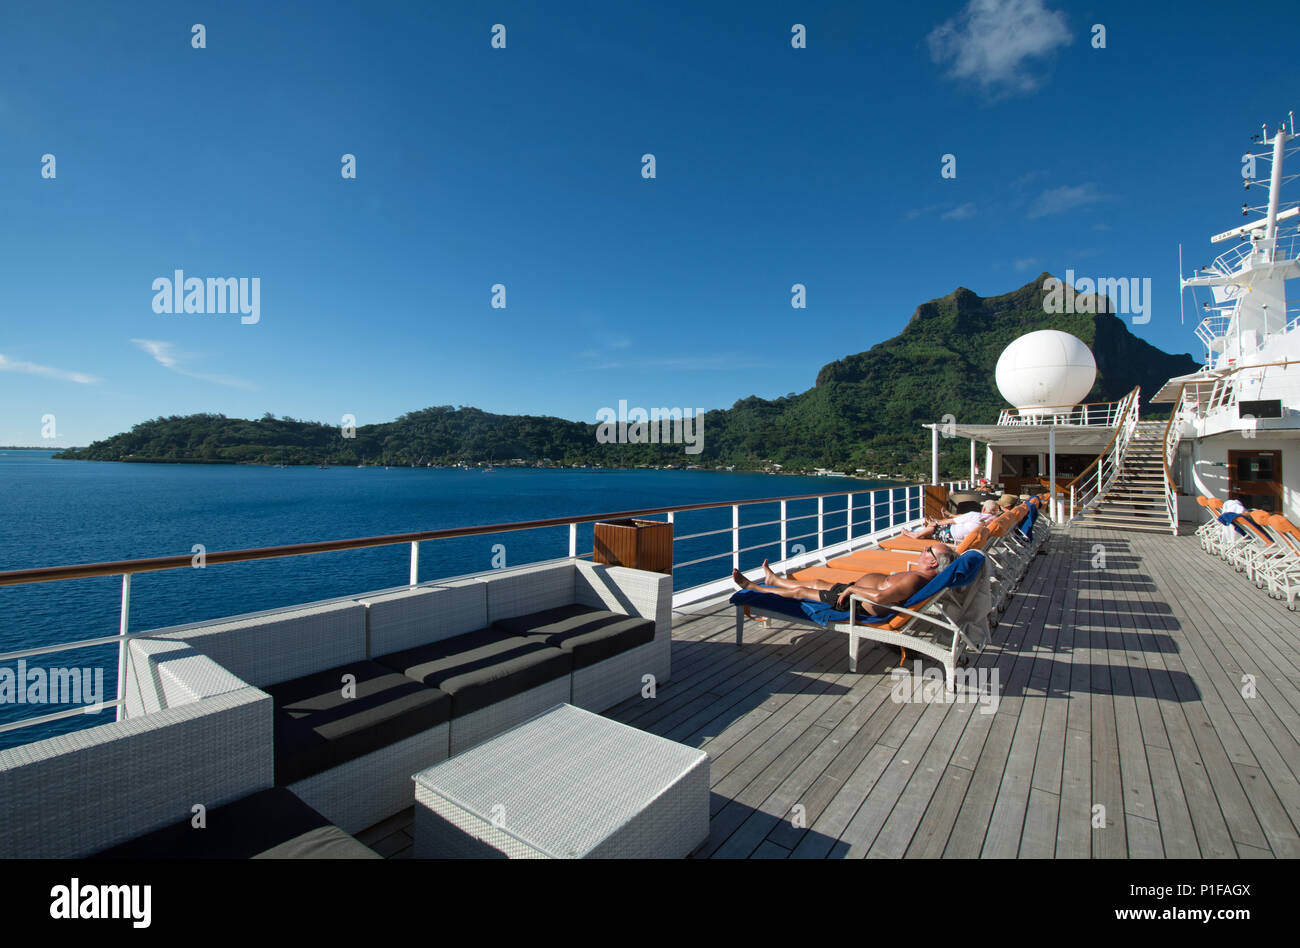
column 944, row 619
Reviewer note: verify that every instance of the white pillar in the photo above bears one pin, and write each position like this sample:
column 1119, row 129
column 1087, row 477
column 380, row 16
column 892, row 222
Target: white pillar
column 934, row 454
column 973, row 471
column 988, row 465
column 1051, row 476
column 123, row 626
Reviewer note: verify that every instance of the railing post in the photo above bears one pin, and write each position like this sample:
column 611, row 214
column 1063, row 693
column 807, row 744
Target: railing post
column 735, row 536
column 1071, row 501
column 871, row 503
column 573, row 538
column 784, row 529
column 892, row 514
column 415, row 562
column 124, row 623
column 821, row 515
column 848, row 517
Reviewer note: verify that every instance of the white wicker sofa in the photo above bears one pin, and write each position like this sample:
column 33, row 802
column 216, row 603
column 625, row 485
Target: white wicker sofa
column 207, row 740
column 365, row 692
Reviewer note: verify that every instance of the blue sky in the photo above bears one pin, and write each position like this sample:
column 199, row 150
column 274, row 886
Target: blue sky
column 522, row 166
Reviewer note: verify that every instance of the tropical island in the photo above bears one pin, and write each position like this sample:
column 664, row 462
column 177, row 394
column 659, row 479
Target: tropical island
column 862, row 416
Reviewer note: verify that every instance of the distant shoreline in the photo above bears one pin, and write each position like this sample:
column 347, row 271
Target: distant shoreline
column 473, row 467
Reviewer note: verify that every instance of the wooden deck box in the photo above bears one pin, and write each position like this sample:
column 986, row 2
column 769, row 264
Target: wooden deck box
column 638, row 544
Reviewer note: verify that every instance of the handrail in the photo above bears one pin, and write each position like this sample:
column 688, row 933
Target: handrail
column 1118, row 428
column 1171, row 434
column 1086, row 486
column 1088, row 414
column 911, row 495
column 153, row 564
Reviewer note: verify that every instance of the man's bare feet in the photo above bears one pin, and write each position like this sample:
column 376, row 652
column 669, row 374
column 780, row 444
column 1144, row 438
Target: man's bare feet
column 768, row 575
column 739, row 579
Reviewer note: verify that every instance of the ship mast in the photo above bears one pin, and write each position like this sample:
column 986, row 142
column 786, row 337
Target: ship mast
column 1248, row 282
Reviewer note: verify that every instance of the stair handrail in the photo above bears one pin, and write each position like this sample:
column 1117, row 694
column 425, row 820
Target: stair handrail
column 1097, row 476
column 1172, row 437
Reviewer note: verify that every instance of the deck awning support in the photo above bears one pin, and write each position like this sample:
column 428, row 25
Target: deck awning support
column 974, row 472
column 934, row 455
column 1051, row 475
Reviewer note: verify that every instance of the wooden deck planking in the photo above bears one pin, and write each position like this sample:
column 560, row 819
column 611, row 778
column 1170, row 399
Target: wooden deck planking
column 1119, row 686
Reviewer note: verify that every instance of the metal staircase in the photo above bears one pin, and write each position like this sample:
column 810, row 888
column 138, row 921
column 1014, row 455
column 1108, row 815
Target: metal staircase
column 1134, row 498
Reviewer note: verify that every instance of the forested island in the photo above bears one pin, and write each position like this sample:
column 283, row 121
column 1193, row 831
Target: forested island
column 863, row 414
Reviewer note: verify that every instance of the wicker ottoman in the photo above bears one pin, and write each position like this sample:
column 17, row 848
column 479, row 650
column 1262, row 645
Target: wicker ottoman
column 567, row 784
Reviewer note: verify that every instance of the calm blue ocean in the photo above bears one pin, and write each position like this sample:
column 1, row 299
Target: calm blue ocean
column 62, row 512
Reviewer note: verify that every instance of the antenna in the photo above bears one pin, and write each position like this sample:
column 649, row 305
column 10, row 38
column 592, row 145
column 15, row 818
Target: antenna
column 1180, row 284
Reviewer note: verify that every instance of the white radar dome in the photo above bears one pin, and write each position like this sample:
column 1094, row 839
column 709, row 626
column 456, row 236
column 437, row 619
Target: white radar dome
column 1043, row 370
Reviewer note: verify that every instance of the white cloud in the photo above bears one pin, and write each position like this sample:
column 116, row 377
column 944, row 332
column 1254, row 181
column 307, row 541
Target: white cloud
column 165, row 354
column 31, row 368
column 1026, row 263
column 962, row 212
column 992, row 41
column 1065, row 198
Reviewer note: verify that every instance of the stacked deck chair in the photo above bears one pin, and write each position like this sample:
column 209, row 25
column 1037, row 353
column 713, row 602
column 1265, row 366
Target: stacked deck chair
column 1283, row 574
column 1263, row 545
column 1210, row 532
column 945, row 618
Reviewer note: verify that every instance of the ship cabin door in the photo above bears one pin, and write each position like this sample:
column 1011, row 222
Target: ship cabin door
column 1255, row 478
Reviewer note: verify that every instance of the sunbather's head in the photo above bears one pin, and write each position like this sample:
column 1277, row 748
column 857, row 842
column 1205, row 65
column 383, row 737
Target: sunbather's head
column 936, row 558
column 990, row 507
column 1008, row 501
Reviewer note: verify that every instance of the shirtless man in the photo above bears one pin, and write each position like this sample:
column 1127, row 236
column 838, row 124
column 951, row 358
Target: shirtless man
column 887, row 589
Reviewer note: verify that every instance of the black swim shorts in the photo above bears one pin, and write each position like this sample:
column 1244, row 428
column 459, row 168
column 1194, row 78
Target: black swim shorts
column 829, row 596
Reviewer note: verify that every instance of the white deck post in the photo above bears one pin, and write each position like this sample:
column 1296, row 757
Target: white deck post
column 988, row 464
column 784, row 531
column 848, row 517
column 415, row 562
column 973, row 470
column 124, row 622
column 892, row 492
column 1051, row 476
column 573, row 539
column 934, row 454
column 735, row 536
column 871, row 504
column 821, row 514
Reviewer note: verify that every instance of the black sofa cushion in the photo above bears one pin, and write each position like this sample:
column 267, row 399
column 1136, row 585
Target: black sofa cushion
column 316, row 728
column 590, row 635
column 269, row 824
column 481, row 668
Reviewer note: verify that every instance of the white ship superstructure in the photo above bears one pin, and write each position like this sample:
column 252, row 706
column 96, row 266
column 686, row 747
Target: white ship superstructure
column 1236, row 422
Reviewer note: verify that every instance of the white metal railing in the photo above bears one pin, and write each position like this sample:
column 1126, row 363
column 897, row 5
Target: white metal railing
column 1216, row 400
column 1084, row 490
column 903, row 507
column 1093, row 414
column 1228, row 262
column 1173, row 433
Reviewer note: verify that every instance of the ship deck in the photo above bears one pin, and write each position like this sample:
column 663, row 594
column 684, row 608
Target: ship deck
column 1121, row 687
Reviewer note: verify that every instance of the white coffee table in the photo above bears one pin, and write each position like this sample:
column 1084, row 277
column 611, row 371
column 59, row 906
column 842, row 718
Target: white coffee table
column 567, row 784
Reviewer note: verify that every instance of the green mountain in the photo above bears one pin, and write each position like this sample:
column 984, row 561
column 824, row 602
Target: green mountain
column 865, row 410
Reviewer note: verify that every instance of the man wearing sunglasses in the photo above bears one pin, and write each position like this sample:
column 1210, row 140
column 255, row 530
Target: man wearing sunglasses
column 886, row 589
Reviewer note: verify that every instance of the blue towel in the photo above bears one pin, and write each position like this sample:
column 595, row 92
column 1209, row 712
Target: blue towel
column 1026, row 527
column 961, row 572
column 1230, row 520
